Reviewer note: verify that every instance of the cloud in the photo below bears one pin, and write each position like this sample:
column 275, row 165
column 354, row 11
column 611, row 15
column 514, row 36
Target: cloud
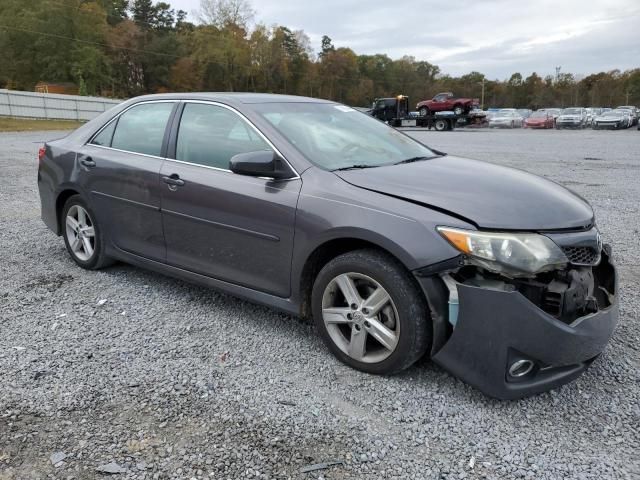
column 496, row 37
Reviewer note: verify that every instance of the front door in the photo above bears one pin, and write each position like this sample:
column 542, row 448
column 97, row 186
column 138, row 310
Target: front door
column 120, row 171
column 227, row 226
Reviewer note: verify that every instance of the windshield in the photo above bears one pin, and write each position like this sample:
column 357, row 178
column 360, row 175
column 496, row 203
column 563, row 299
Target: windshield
column 335, row 136
column 539, row 115
column 571, row 111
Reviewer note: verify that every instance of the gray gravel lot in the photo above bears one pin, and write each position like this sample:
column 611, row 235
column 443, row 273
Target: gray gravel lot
column 170, row 380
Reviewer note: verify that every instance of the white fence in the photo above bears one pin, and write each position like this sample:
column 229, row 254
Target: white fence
column 52, row 106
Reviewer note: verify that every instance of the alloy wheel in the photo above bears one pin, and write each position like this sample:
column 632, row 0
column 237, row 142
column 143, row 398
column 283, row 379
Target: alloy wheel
column 360, row 317
column 80, row 233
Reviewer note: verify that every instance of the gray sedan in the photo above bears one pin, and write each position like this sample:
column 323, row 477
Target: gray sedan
column 395, row 250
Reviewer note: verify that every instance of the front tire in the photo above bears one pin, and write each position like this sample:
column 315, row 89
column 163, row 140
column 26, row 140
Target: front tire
column 370, row 313
column 82, row 235
column 458, row 109
column 424, row 111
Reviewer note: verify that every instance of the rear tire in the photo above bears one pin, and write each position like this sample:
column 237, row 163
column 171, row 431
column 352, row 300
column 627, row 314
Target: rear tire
column 441, row 125
column 351, row 328
column 82, row 235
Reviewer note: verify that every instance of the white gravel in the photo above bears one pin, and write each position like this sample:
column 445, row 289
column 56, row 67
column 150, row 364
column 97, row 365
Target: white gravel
column 170, row 380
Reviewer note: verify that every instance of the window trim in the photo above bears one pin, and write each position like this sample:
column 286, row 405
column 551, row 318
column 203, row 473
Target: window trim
column 174, row 140
column 117, row 118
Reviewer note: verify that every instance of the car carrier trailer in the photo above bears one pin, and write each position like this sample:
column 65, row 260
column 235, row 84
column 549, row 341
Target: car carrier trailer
column 395, row 112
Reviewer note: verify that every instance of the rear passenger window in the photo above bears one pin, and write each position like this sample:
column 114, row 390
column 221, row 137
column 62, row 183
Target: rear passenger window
column 141, row 128
column 104, row 137
column 210, row 135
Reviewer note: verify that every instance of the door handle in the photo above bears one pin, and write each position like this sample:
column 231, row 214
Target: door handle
column 88, row 162
column 173, row 180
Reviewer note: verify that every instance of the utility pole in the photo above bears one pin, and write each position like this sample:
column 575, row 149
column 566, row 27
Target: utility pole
column 482, row 97
column 627, row 102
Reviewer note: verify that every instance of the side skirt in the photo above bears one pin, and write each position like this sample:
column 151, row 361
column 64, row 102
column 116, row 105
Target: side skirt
column 286, row 305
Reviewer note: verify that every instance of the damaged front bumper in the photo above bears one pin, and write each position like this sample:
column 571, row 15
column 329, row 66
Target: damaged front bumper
column 509, row 347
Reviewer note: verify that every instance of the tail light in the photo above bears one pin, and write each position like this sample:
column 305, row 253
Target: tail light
column 41, row 153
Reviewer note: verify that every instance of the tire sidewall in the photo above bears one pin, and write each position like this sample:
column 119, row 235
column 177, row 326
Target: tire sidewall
column 415, row 328
column 98, row 253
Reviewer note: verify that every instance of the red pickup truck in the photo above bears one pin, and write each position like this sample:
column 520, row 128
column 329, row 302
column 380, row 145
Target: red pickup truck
column 447, row 101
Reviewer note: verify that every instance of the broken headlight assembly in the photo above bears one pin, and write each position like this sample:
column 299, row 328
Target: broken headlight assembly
column 509, row 254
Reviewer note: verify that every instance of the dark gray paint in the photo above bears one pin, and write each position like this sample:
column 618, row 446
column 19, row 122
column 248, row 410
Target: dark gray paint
column 232, row 227
column 491, row 196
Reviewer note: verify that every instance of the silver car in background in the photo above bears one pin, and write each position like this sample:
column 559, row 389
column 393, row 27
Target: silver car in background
column 573, row 117
column 506, row 118
column 633, row 113
column 613, row 119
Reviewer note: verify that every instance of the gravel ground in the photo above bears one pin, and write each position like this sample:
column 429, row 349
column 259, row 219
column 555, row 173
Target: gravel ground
column 144, row 376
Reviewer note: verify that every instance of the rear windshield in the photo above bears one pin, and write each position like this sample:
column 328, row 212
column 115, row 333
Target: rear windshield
column 335, row 136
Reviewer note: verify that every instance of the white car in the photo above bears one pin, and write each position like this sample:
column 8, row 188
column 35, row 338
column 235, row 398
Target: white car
column 618, row 118
column 506, row 118
column 573, row 117
column 633, row 112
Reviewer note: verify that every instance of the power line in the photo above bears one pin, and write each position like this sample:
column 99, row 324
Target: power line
column 90, row 42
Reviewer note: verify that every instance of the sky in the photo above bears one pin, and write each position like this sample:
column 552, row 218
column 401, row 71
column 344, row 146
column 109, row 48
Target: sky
column 494, row 37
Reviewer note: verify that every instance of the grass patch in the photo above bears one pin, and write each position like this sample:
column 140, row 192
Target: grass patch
column 28, row 125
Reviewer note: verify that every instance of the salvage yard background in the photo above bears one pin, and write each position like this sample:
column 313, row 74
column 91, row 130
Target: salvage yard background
column 127, row 371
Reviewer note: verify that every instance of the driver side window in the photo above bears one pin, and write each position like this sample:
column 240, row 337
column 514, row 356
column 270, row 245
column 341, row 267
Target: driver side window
column 210, row 135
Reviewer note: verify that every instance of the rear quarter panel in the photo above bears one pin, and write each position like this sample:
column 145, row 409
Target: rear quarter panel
column 55, row 174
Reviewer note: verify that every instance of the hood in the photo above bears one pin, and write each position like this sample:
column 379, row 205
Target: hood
column 487, row 195
column 572, row 116
column 536, row 120
column 610, row 118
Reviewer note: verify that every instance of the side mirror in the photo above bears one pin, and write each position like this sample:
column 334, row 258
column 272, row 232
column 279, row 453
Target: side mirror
column 262, row 163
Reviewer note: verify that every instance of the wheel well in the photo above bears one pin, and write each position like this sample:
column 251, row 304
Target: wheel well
column 60, row 201
column 320, row 257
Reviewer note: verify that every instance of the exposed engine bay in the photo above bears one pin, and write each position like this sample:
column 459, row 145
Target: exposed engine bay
column 566, row 294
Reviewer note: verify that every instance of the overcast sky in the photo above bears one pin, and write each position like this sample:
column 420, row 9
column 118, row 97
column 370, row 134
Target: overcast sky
column 495, row 37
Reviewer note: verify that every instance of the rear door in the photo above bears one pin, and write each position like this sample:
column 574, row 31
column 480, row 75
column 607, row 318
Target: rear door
column 119, row 169
column 217, row 223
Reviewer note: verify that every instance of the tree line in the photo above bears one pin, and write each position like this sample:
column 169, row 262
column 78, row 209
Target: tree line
column 123, row 48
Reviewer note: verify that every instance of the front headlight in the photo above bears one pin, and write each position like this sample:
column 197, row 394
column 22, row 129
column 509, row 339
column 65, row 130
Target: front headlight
column 511, row 254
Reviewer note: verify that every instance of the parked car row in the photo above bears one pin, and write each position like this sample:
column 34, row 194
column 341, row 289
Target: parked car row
column 572, row 117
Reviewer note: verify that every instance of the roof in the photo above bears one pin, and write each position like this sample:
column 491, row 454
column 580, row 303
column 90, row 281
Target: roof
column 239, row 97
